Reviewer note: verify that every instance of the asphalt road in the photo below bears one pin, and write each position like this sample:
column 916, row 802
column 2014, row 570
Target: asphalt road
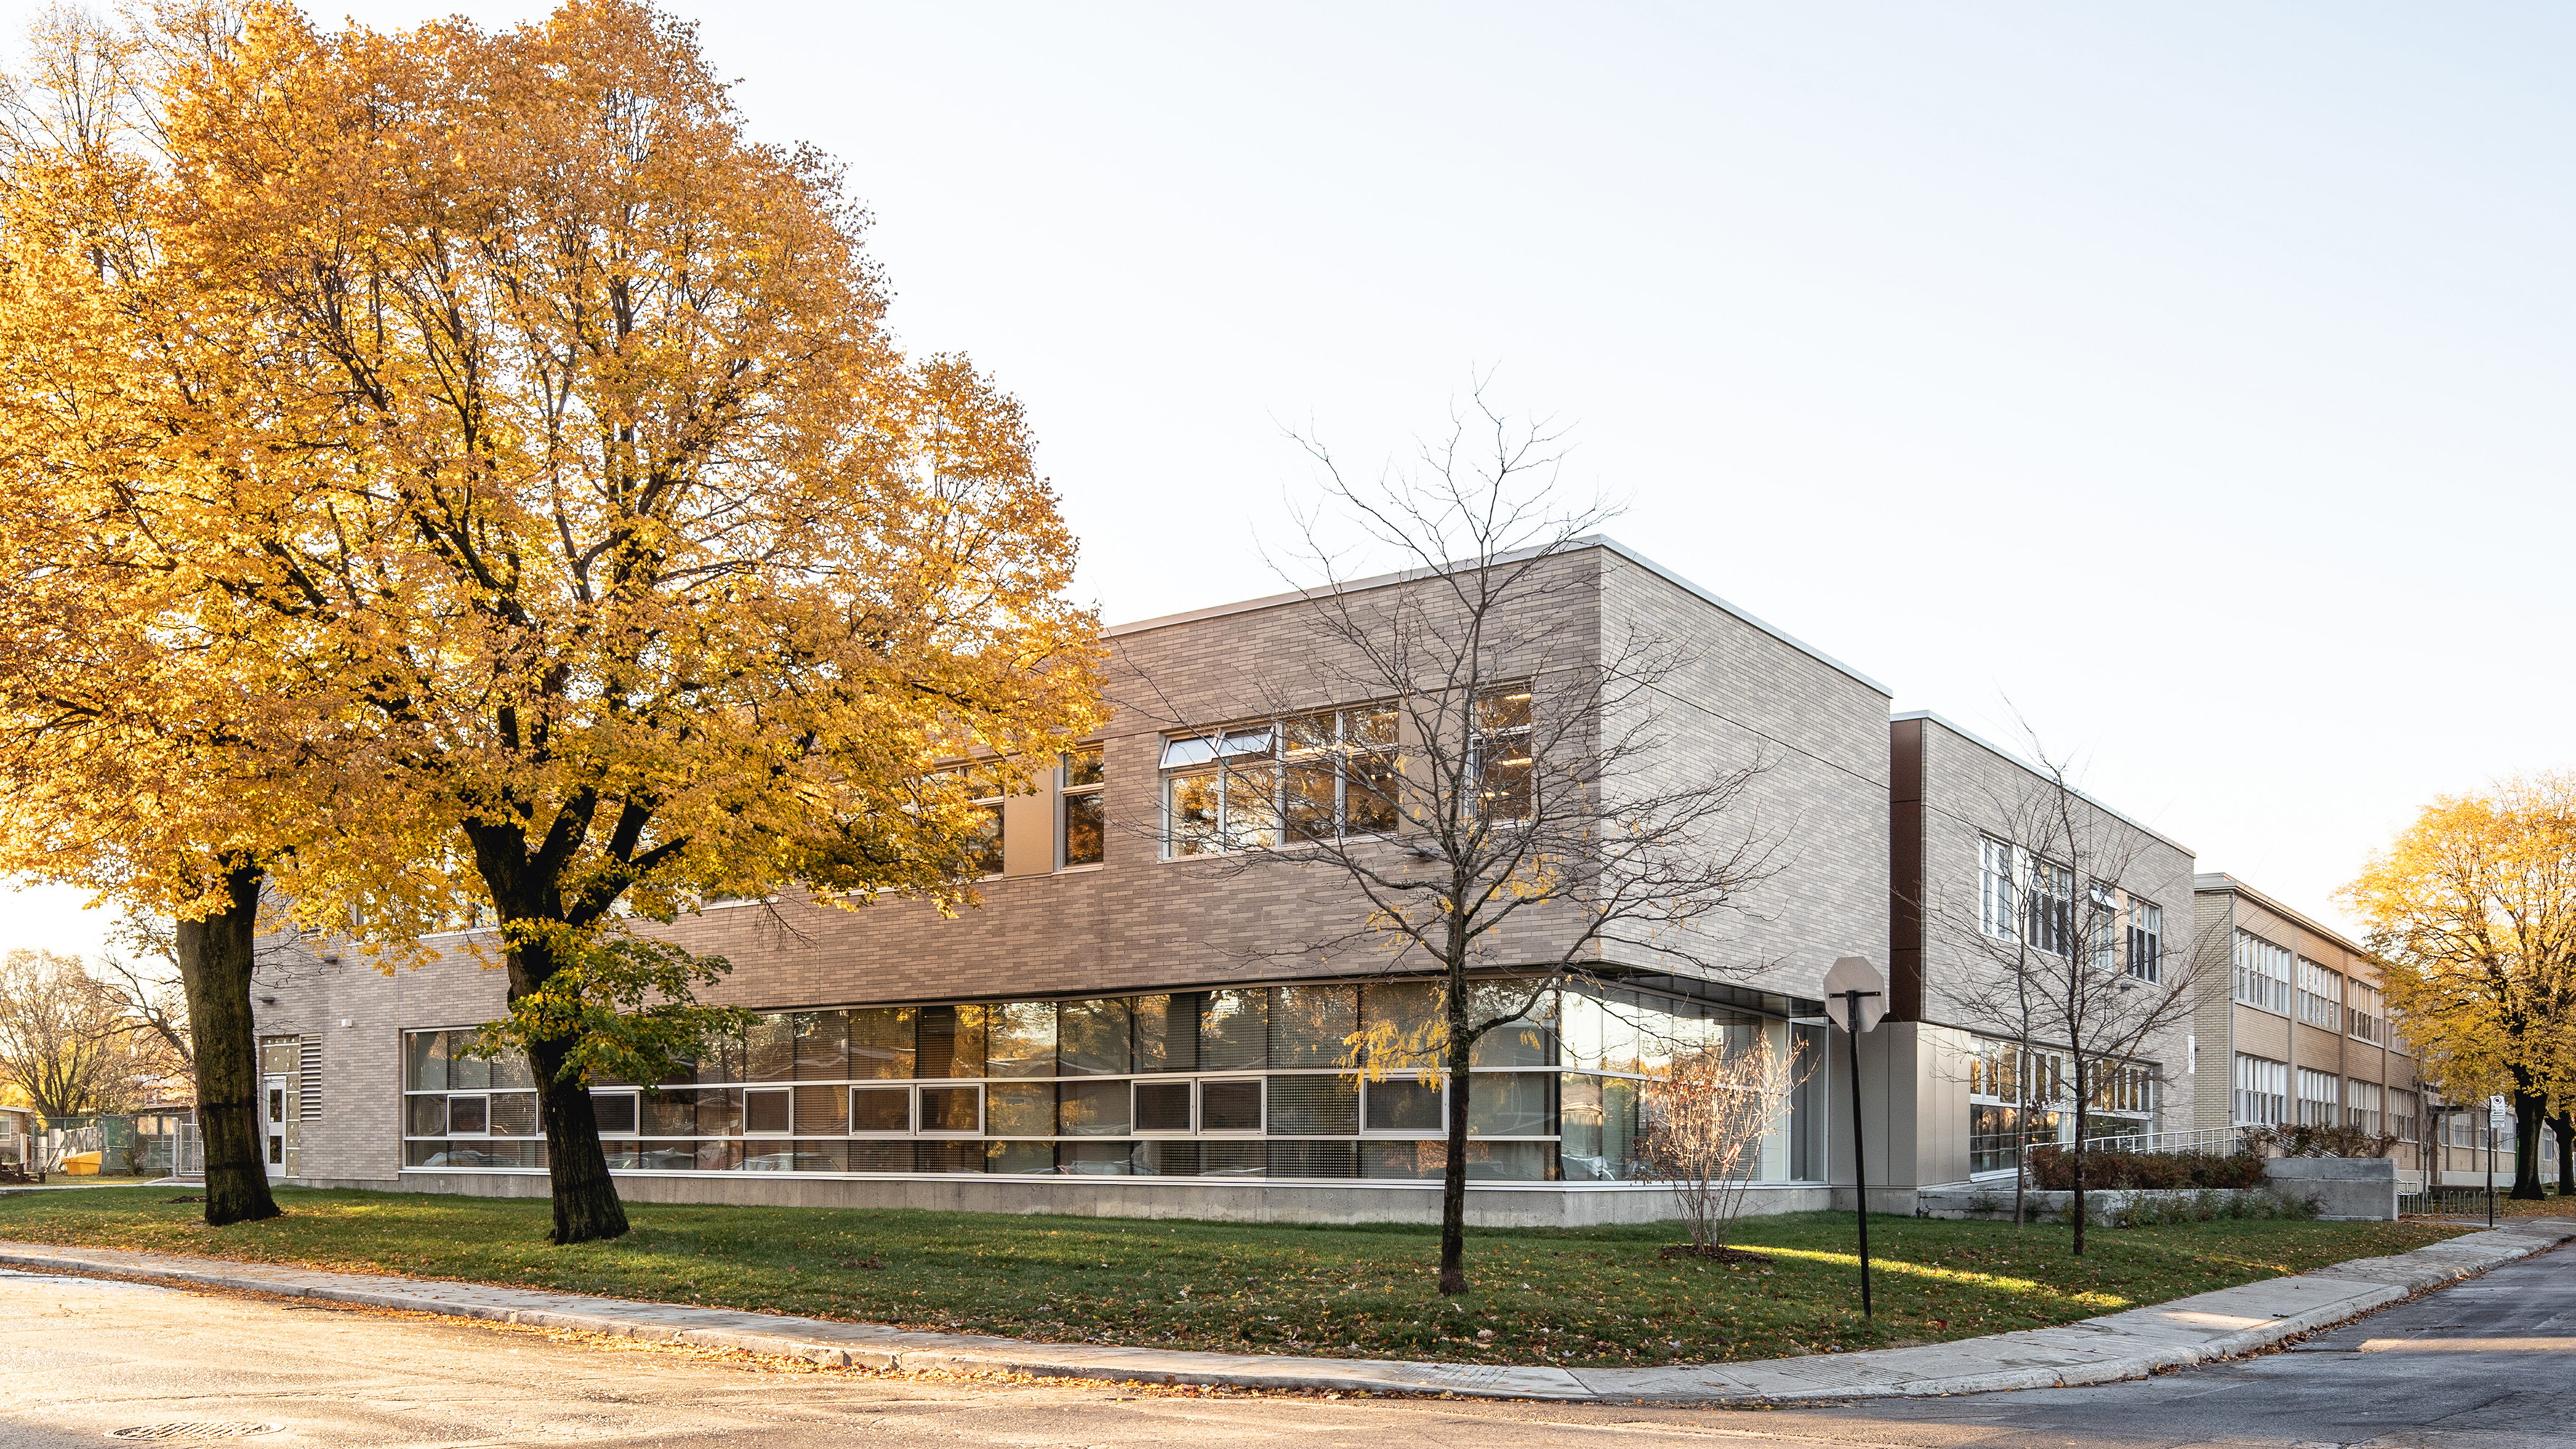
column 2490, row 1364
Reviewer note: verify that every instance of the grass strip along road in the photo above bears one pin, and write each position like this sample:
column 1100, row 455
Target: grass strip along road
column 1557, row 1296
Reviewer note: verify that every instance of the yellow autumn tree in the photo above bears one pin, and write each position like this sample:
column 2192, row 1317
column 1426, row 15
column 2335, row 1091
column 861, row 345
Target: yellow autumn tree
column 2473, row 909
column 557, row 467
column 160, row 743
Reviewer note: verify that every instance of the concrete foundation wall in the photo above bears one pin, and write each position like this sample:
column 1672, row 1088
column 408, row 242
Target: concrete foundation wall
column 1498, row 1206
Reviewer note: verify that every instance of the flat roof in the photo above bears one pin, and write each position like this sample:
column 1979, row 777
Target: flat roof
column 1972, row 737
column 2219, row 880
column 1600, row 541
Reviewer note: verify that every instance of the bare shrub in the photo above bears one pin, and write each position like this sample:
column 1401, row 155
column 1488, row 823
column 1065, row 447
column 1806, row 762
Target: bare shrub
column 1707, row 1118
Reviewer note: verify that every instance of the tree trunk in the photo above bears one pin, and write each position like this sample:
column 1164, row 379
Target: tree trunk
column 2077, row 1157
column 2527, row 1109
column 587, row 1208
column 2565, row 1124
column 1453, row 1175
column 215, row 957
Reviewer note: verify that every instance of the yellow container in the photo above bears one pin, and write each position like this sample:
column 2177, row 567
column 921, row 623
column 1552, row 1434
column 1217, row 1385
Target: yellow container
column 81, row 1164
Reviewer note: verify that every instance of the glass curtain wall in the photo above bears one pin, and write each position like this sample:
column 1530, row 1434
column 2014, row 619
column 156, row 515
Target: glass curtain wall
column 1233, row 1082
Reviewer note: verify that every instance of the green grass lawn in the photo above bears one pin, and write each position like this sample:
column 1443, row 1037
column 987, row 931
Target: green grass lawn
column 1588, row 1296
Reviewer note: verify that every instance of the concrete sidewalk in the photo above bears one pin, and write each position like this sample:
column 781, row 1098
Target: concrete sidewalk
column 2098, row 1350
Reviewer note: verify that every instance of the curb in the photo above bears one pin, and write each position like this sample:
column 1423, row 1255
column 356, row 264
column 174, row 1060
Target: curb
column 2226, row 1323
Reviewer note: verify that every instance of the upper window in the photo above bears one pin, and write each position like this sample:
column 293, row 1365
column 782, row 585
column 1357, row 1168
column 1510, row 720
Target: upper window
column 984, row 840
column 1313, row 777
column 2366, row 1018
column 2320, row 995
column 1995, row 887
column 2048, row 908
column 2105, row 923
column 2146, row 940
column 1500, row 750
column 2262, row 973
column 1083, row 827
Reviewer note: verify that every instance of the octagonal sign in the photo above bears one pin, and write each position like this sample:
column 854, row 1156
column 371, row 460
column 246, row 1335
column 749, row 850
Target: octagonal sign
column 1854, row 973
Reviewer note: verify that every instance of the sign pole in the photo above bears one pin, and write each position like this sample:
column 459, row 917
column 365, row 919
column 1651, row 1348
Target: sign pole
column 1860, row 1161
column 1851, row 990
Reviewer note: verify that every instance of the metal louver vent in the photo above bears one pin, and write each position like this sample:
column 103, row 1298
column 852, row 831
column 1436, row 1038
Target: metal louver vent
column 311, row 1092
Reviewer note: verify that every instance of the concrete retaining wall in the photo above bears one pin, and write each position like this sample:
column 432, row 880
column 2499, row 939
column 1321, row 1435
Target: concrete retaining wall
column 2345, row 1189
column 1529, row 1205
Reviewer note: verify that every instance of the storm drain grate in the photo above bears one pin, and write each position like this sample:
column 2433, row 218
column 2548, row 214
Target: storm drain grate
column 197, row 1429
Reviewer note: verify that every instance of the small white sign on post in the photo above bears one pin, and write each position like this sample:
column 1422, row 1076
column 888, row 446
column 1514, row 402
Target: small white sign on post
column 2498, row 1115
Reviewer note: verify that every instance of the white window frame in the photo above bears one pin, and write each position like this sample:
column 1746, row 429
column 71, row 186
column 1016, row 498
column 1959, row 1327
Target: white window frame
column 1998, row 895
column 2146, row 941
column 767, row 1134
column 1189, row 1086
column 974, row 1084
column 2255, row 959
column 633, row 1095
column 2104, row 901
column 2053, row 935
column 1405, row 1134
column 2261, row 1082
column 485, row 1097
column 911, row 1111
column 1198, row 1106
column 2315, row 981
column 1067, row 792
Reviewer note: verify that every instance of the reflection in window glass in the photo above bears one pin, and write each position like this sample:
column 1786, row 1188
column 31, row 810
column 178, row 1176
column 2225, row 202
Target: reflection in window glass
column 1092, row 1037
column 1019, row 1109
column 819, row 1111
column 765, row 1110
column 1308, row 1024
column 468, row 1116
column 514, row 1114
column 1511, row 1104
column 1230, row 1106
column 428, row 1116
column 951, row 1109
column 822, row 1046
column 1162, row 1106
column 1022, row 1157
column 881, row 1043
column 952, row 1041
column 1167, row 1033
column 1093, row 1109
column 1403, row 1104
column 720, row 1112
column 463, row 1071
column 1085, row 825
column 1314, row 1107
column 881, row 1109
column 771, row 1049
column 1234, row 1030
column 614, row 1111
column 1096, row 1158
column 1314, row 1159
column 1022, row 1042
column 425, row 1060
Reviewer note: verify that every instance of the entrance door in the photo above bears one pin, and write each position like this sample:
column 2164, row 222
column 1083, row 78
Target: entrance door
column 272, row 1118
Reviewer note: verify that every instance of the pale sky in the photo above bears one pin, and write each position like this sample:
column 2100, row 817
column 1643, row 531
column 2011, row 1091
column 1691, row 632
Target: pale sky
column 2195, row 378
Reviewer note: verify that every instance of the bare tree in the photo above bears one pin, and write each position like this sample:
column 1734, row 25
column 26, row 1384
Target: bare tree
column 1710, row 1113
column 1509, row 808
column 149, row 989
column 2069, row 978
column 62, row 1036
